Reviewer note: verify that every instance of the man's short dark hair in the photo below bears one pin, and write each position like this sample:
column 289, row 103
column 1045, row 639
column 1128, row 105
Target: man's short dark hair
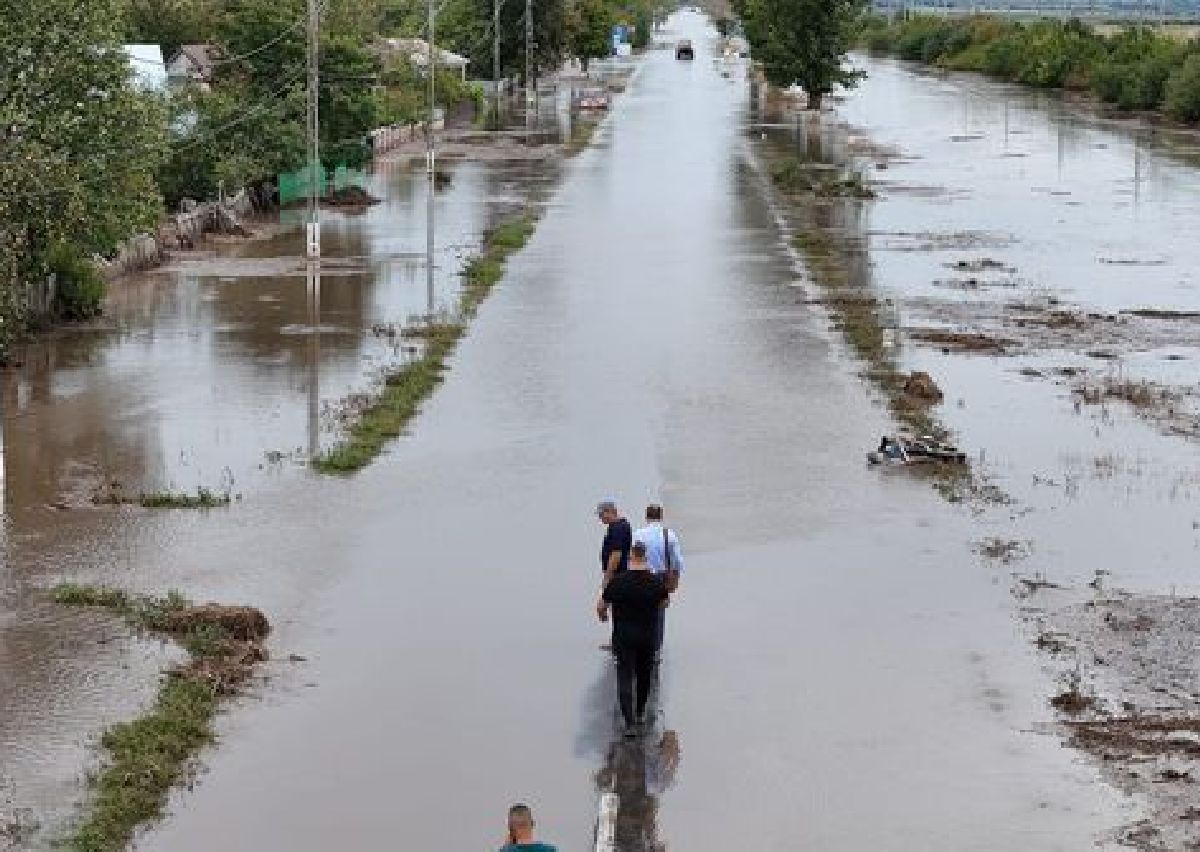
column 639, row 549
column 520, row 814
column 654, row 512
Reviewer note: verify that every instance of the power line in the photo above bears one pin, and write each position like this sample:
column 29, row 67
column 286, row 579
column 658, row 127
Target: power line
column 259, row 108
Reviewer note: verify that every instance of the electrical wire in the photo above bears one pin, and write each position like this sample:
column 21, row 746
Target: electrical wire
column 261, row 107
column 254, row 112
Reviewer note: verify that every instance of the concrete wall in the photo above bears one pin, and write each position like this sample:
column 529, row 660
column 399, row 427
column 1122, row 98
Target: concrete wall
column 184, row 230
column 393, row 136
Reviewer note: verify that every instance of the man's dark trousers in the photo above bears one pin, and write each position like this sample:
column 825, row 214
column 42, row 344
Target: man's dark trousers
column 635, row 673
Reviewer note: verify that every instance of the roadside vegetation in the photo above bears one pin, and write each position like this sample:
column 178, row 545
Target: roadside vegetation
column 384, row 416
column 803, row 42
column 144, row 758
column 114, row 494
column 90, row 156
column 1137, row 68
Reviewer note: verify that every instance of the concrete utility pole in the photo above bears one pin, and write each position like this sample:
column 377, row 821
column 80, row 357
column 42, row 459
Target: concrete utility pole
column 496, row 63
column 313, row 229
column 430, row 162
column 530, row 86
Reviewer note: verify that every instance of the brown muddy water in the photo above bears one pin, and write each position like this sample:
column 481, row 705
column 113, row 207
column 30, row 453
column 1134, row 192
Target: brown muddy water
column 843, row 671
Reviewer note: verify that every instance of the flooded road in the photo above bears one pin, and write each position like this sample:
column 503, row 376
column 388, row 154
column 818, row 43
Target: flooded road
column 842, row 673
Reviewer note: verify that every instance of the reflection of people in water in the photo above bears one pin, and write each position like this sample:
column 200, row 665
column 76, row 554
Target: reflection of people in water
column 639, row 771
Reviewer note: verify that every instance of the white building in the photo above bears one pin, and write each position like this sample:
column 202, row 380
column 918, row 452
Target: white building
column 148, row 71
column 416, row 51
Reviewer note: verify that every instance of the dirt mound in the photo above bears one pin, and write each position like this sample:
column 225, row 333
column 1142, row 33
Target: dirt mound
column 243, row 623
column 921, row 386
column 350, row 196
column 224, row 672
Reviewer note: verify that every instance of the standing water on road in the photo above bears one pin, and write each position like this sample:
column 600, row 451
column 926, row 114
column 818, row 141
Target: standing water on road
column 841, row 674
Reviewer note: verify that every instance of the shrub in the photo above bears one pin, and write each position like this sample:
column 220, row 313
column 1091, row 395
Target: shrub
column 1182, row 101
column 1004, row 55
column 79, row 292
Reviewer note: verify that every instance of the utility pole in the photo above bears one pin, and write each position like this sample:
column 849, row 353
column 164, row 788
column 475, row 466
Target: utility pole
column 313, row 229
column 529, row 84
column 496, row 64
column 430, row 161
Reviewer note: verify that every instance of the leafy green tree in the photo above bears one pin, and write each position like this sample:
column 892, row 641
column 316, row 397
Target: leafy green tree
column 465, row 26
column 222, row 147
column 78, row 144
column 804, row 42
column 1183, row 91
column 172, row 23
column 589, row 29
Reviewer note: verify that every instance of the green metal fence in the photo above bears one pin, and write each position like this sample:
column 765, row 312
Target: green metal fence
column 295, row 186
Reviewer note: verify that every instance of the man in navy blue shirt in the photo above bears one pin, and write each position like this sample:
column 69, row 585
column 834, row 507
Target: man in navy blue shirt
column 618, row 538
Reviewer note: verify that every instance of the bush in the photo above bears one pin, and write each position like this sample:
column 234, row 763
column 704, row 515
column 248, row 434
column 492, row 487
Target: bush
column 1004, row 55
column 1182, row 101
column 79, row 292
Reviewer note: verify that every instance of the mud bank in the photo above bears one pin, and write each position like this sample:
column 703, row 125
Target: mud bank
column 1130, row 697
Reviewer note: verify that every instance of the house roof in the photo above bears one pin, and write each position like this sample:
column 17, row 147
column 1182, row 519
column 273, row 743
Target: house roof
column 201, row 56
column 416, row 50
column 149, row 72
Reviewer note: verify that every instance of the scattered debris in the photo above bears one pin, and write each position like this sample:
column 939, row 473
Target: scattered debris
column 1003, row 550
column 903, row 450
column 984, row 264
column 1161, row 313
column 962, row 341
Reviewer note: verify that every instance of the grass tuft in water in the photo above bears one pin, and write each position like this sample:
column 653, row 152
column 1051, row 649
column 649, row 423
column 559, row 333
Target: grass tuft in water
column 144, row 758
column 581, row 136
column 405, row 388
column 204, row 498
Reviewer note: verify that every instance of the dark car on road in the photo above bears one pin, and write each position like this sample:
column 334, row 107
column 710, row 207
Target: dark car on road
column 684, row 50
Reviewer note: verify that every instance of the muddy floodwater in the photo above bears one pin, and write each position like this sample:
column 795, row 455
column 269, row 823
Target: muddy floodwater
column 844, row 671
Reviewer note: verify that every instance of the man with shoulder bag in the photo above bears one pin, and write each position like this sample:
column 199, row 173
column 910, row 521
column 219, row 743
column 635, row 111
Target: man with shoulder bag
column 664, row 556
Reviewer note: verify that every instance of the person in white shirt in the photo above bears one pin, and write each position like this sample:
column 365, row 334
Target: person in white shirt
column 663, row 554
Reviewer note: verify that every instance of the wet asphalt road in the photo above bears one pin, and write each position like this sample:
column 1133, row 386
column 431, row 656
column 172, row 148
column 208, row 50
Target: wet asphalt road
column 841, row 673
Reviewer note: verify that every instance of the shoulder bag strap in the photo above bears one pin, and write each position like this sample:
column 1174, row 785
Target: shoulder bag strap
column 667, row 546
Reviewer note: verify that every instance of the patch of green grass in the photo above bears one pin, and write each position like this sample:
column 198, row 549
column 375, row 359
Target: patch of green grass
column 144, row 758
column 75, row 594
column 144, row 612
column 581, row 136
column 204, row 498
column 404, row 389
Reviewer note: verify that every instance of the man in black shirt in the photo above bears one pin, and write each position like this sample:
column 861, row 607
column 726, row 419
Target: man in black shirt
column 636, row 596
column 618, row 538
